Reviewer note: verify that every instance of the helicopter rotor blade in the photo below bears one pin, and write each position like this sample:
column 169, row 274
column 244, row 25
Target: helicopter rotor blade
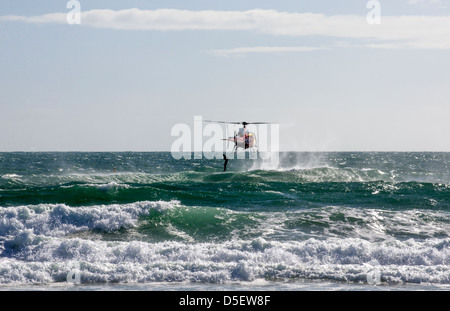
column 221, row 122
column 246, row 123
column 242, row 123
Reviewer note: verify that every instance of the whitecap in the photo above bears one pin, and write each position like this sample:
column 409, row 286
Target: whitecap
column 60, row 219
column 347, row 260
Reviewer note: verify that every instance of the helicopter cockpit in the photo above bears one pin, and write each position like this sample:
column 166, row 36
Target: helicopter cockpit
column 242, row 132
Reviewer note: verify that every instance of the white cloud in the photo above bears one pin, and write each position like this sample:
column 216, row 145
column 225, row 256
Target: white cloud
column 57, row 18
column 429, row 3
column 419, row 32
column 241, row 51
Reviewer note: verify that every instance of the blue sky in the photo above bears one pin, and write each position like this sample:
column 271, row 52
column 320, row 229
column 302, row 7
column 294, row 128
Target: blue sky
column 131, row 70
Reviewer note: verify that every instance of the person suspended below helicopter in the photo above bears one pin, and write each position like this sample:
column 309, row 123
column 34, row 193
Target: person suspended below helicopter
column 226, row 162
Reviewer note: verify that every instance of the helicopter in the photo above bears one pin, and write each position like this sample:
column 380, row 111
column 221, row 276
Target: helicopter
column 243, row 138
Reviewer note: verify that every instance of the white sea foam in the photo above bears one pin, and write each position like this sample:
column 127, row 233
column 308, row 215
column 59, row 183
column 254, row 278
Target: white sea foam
column 11, row 176
column 37, row 245
column 59, row 219
column 345, row 260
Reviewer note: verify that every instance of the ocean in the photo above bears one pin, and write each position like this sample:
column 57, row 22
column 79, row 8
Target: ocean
column 146, row 221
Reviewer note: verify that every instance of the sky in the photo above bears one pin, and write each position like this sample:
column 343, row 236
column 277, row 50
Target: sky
column 332, row 75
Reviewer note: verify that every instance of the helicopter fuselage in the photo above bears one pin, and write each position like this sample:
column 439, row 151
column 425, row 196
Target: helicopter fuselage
column 244, row 140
